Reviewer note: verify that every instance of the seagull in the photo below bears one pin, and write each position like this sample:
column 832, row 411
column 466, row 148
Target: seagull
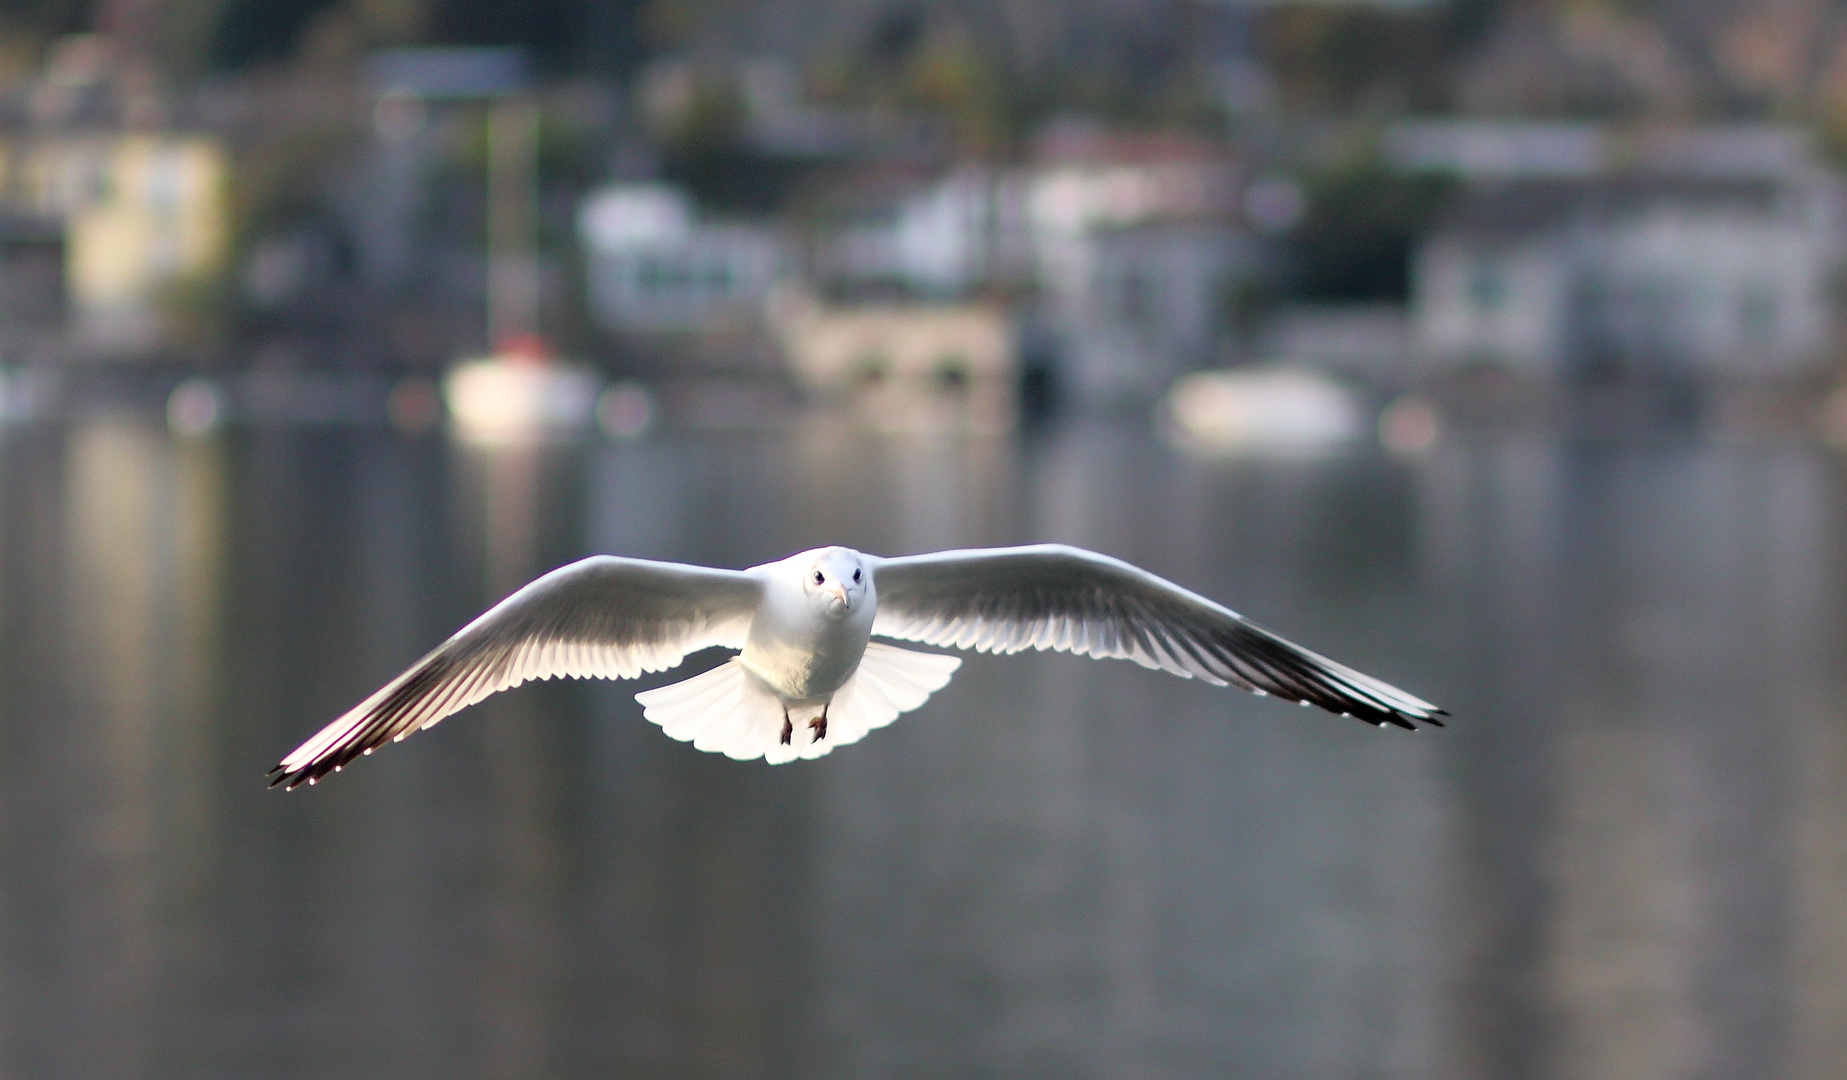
column 808, row 677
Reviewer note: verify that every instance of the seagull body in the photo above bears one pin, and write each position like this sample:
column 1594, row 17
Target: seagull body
column 808, row 676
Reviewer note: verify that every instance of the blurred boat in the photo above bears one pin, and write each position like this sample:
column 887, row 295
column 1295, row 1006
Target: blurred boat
column 519, row 393
column 1280, row 410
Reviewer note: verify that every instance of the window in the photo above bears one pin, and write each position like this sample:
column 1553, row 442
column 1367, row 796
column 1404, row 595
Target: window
column 952, row 373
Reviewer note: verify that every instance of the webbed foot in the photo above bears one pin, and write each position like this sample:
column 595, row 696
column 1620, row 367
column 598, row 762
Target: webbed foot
column 788, row 726
column 819, row 725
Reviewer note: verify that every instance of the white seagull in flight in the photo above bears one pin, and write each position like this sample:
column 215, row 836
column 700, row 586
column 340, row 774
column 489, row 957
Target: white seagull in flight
column 808, row 677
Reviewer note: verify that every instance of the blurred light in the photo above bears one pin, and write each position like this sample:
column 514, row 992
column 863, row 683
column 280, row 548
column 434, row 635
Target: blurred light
column 194, row 408
column 1408, row 426
column 625, row 411
column 1281, row 411
column 414, row 405
column 494, row 400
column 1275, row 204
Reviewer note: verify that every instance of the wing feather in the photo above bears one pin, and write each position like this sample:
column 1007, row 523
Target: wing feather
column 602, row 617
column 1066, row 599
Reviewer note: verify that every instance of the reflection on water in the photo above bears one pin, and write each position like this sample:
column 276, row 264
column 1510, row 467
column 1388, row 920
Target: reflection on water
column 1625, row 859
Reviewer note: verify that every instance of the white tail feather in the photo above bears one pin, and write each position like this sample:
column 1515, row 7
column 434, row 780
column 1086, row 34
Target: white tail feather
column 729, row 711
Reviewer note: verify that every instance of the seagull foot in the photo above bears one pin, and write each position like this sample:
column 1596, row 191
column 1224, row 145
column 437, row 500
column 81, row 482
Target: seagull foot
column 819, row 726
column 788, row 726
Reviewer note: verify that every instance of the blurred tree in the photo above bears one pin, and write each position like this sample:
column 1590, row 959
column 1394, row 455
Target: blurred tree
column 259, row 31
column 707, row 151
column 1329, row 58
column 1593, row 60
column 27, row 25
column 555, row 32
column 996, row 71
column 950, row 76
column 561, row 35
column 45, row 19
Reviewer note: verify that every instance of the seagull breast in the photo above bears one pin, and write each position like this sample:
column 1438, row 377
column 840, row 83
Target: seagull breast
column 801, row 649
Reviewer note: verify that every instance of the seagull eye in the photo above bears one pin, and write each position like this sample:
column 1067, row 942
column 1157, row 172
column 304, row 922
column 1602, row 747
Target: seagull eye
column 820, row 578
column 856, row 575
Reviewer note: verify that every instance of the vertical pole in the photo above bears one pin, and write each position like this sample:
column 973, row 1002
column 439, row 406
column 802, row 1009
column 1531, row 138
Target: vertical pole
column 512, row 215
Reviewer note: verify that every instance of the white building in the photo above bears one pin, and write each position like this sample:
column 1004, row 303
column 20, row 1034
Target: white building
column 145, row 216
column 1135, row 245
column 941, row 237
column 1554, row 279
column 1139, row 305
column 654, row 268
column 1130, row 242
column 906, row 366
column 1497, row 150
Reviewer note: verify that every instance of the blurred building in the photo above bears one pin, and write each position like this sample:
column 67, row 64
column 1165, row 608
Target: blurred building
column 1493, row 150
column 1135, row 242
column 144, row 217
column 1497, row 150
column 654, row 268
column 422, row 98
column 906, row 366
column 780, row 122
column 1127, row 242
column 941, row 236
column 1638, row 274
column 1149, row 305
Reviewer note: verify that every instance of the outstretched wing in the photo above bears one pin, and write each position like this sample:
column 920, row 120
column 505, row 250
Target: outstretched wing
column 1050, row 596
column 603, row 617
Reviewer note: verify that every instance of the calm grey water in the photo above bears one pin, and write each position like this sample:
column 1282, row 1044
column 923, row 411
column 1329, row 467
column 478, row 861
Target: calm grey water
column 1627, row 857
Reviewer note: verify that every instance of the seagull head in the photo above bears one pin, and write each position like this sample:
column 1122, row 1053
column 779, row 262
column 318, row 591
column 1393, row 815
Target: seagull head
column 835, row 579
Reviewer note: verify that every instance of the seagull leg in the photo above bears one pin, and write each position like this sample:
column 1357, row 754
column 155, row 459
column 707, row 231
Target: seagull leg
column 788, row 726
column 819, row 725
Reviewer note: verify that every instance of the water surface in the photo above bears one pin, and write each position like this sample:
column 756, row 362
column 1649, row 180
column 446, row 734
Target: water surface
column 1627, row 857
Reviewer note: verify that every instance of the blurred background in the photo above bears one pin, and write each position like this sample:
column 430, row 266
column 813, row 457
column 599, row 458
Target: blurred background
column 1491, row 346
